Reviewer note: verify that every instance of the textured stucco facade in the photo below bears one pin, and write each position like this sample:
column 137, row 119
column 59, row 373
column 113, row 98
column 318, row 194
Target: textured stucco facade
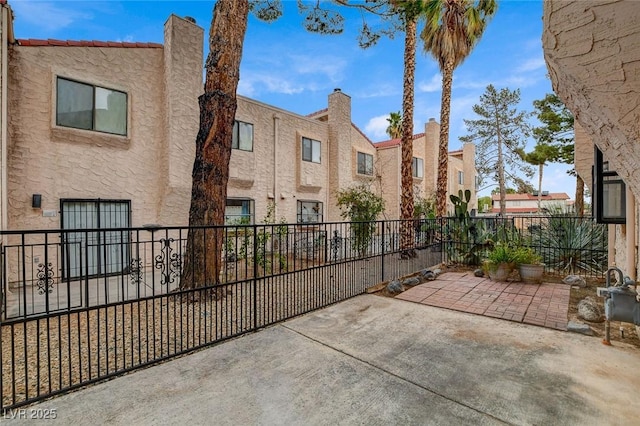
column 150, row 165
column 425, row 147
column 592, row 50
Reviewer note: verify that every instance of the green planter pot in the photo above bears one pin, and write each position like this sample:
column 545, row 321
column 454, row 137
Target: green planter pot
column 531, row 274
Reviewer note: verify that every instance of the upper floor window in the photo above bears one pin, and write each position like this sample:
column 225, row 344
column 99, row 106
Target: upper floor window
column 242, row 136
column 418, row 167
column 311, row 150
column 88, row 107
column 309, row 212
column 460, row 178
column 365, row 164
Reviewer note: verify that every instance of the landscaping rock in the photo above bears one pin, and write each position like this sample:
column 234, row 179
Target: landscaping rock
column 437, row 271
column 589, row 310
column 579, row 327
column 575, row 280
column 478, row 273
column 427, row 275
column 395, row 287
column 410, row 282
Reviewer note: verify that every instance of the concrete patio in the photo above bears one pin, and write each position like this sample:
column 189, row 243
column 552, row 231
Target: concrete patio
column 543, row 304
column 374, row 360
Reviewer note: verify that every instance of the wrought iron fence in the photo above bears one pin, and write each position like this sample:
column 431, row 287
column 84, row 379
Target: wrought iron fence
column 80, row 306
column 566, row 244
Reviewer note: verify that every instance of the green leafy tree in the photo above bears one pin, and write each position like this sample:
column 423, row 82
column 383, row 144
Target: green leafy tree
column 540, row 156
column 452, row 29
column 557, row 131
column 361, row 207
column 484, row 204
column 499, row 134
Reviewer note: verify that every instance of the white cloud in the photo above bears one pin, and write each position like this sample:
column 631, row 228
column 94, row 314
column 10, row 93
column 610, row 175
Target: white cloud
column 379, row 91
column 48, row 16
column 532, row 64
column 376, row 128
column 251, row 84
column 433, row 85
column 330, row 66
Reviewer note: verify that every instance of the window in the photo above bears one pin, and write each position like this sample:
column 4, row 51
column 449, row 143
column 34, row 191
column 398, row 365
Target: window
column 311, row 150
column 242, row 136
column 83, row 106
column 460, row 177
column 238, row 211
column 309, row 212
column 418, row 168
column 365, row 164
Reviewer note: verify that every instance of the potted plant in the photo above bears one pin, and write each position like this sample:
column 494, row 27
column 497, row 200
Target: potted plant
column 500, row 262
column 529, row 264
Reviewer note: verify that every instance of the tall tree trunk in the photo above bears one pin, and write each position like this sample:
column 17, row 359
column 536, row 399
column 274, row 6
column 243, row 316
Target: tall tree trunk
column 406, row 205
column 203, row 256
column 443, row 147
column 579, row 203
column 540, row 170
column 501, row 183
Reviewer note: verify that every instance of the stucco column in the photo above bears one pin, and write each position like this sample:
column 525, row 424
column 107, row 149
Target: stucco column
column 630, row 267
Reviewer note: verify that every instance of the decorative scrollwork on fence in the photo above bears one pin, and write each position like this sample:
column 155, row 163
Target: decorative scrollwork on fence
column 135, row 271
column 169, row 263
column 45, row 278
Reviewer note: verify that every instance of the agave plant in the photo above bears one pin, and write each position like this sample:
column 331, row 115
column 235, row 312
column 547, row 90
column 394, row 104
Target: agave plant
column 572, row 244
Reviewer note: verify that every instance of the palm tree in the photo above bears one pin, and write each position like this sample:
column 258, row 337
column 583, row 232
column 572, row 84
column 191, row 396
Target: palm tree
column 452, row 29
column 394, row 130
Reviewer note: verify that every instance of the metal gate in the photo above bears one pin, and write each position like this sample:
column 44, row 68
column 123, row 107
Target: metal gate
column 95, row 251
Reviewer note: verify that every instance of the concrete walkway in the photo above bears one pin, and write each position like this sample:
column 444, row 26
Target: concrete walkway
column 375, row 361
column 543, row 304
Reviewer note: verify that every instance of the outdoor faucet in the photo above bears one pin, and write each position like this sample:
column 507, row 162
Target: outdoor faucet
column 620, row 275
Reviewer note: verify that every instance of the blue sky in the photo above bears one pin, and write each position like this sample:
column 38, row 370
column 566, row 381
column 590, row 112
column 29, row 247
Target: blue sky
column 285, row 66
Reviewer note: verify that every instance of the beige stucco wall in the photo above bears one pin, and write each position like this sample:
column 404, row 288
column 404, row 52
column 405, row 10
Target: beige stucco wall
column 583, row 155
column 60, row 162
column 592, row 50
column 274, row 171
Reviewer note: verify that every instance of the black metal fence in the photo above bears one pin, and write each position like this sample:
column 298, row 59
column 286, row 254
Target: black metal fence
column 566, row 244
column 83, row 305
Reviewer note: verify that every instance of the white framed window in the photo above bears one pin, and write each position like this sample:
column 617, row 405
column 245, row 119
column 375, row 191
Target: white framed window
column 365, row 164
column 242, row 136
column 311, row 150
column 460, row 177
column 309, row 212
column 417, row 167
column 88, row 107
column 238, row 211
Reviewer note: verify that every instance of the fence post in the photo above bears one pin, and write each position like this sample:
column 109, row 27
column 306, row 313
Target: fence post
column 383, row 244
column 255, row 277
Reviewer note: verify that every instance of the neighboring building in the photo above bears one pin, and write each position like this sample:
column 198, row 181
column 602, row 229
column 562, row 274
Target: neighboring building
column 101, row 134
column 462, row 172
column 527, row 204
column 592, row 50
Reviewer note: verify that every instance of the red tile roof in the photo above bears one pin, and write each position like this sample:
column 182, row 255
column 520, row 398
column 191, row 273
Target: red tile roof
column 395, row 142
column 313, row 114
column 85, row 43
column 524, row 197
column 517, row 210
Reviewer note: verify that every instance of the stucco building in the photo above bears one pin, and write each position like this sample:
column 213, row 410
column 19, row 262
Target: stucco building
column 527, row 204
column 101, row 134
column 592, row 50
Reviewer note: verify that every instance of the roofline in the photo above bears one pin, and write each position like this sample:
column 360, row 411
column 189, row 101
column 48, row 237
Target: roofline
column 31, row 42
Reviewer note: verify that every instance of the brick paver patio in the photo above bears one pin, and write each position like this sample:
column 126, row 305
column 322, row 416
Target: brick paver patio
column 543, row 304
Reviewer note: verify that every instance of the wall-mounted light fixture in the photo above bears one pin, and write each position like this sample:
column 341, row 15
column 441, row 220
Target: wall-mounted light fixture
column 609, row 195
column 36, row 201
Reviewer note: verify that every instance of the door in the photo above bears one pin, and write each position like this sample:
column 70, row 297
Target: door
column 99, row 242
